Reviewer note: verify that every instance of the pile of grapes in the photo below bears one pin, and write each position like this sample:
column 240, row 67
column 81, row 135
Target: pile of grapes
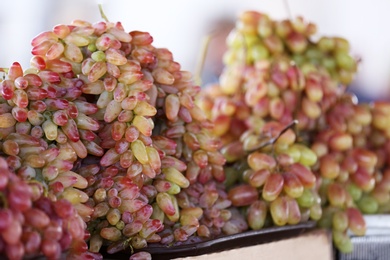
column 106, row 144
column 298, row 145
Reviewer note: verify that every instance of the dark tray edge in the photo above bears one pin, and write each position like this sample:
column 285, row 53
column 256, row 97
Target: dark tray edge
column 227, row 242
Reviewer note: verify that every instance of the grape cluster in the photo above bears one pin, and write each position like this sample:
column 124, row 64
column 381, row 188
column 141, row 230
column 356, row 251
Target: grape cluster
column 121, row 210
column 297, row 144
column 32, row 225
column 273, row 175
column 257, row 37
column 269, row 90
column 108, row 122
column 377, row 140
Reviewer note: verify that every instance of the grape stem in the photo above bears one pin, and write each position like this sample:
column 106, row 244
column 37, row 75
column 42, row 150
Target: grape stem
column 102, row 14
column 3, row 201
column 39, row 179
column 244, row 60
column 45, row 188
column 5, row 71
column 288, row 9
column 271, row 141
column 202, row 58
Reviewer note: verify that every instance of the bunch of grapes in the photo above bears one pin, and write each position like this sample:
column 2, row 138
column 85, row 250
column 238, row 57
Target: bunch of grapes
column 273, row 175
column 108, row 122
column 32, row 225
column 33, row 160
column 377, row 140
column 40, row 131
column 121, row 210
column 292, row 135
column 257, row 37
column 345, row 167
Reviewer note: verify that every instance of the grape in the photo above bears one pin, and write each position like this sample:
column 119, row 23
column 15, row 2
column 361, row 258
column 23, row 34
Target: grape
column 354, row 191
column 307, row 199
column 316, row 212
column 304, row 174
column 37, row 218
column 363, row 179
column 258, row 178
column 336, row 195
column 279, row 209
column 32, row 242
column 380, row 194
column 356, row 221
column 141, row 256
column 243, row 195
column 51, row 248
column 340, row 221
column 258, row 161
column 273, row 187
column 15, row 251
column 368, row 204
column 12, row 234
column 329, row 167
column 342, row 241
column 294, row 211
column 292, row 185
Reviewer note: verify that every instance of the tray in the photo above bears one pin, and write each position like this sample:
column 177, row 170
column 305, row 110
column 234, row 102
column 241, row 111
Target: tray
column 244, row 239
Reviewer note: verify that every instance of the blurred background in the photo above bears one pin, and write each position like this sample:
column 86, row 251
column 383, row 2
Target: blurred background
column 181, row 26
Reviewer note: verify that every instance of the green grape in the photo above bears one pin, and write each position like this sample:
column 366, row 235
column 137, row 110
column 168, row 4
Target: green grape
column 345, row 61
column 340, row 221
column 342, row 241
column 368, row 204
column 307, row 199
column 280, row 211
column 308, row 157
column 354, row 191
